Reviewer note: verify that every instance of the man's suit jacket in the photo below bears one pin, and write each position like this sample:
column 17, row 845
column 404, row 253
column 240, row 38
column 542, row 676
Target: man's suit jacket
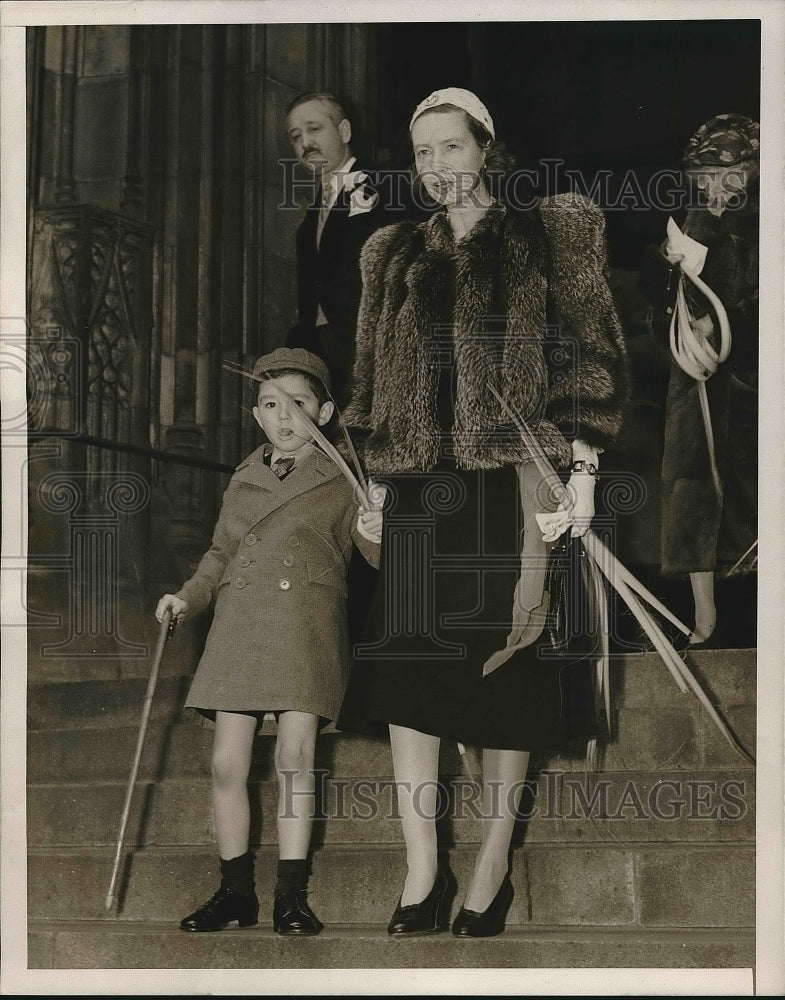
column 330, row 275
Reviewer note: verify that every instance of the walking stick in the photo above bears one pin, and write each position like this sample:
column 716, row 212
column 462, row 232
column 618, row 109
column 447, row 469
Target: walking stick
column 166, row 623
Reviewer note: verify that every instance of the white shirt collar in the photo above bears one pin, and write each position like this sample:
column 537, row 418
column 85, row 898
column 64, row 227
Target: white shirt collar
column 300, row 455
column 335, row 180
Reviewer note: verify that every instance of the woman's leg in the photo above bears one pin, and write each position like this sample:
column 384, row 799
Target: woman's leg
column 416, row 766
column 504, row 772
column 294, row 758
column 231, row 763
column 705, row 608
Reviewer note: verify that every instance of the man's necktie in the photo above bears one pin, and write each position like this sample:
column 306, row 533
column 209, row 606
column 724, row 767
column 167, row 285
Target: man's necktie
column 282, row 466
column 324, row 211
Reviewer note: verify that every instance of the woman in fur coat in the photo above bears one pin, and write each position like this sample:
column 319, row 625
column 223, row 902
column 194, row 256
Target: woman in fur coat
column 474, row 297
column 709, row 517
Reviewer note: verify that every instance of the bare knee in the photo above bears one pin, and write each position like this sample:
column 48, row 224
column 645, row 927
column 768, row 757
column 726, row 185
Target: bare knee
column 294, row 754
column 228, row 770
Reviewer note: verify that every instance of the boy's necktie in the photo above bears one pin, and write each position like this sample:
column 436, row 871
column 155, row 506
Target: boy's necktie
column 282, row 466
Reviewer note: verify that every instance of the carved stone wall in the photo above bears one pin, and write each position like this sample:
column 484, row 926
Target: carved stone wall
column 90, row 325
column 159, row 249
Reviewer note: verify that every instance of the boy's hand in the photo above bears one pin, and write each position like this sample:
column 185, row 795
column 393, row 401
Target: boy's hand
column 369, row 524
column 369, row 521
column 176, row 605
column 377, row 494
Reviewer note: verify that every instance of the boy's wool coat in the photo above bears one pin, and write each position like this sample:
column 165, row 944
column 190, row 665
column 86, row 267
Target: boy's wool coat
column 276, row 570
column 525, row 306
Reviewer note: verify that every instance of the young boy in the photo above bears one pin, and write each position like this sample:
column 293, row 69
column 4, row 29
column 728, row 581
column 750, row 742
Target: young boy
column 278, row 643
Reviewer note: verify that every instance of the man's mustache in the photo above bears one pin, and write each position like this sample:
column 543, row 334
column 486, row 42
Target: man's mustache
column 310, row 150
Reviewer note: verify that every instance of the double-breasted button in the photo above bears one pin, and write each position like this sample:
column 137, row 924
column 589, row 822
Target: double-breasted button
column 240, row 582
column 243, row 561
column 288, row 559
column 284, row 584
column 294, row 541
column 250, row 538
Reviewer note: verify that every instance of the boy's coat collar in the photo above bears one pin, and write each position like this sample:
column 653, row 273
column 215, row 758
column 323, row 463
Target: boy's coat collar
column 316, row 469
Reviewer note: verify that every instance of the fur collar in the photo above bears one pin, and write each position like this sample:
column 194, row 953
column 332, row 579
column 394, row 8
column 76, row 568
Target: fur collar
column 479, row 303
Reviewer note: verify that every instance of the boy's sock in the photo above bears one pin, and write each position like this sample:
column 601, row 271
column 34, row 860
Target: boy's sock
column 292, row 875
column 237, row 874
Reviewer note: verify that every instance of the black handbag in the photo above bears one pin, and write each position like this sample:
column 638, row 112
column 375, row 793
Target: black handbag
column 572, row 624
column 574, row 640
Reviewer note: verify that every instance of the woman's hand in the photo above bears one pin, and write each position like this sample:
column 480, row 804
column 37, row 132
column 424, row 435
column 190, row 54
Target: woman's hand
column 176, row 605
column 580, row 502
column 704, row 326
column 553, row 524
column 575, row 511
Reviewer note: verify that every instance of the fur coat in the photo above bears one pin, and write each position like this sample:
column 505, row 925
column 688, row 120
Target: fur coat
column 703, row 530
column 525, row 298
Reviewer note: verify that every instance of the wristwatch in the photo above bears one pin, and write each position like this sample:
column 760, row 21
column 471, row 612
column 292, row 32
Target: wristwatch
column 583, row 466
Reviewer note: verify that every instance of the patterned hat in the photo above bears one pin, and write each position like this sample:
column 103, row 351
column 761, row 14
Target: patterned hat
column 296, row 358
column 463, row 99
column 723, row 142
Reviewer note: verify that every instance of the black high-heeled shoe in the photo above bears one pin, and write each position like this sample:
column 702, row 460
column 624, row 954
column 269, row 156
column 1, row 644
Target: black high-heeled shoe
column 489, row 923
column 425, row 917
column 712, row 641
column 222, row 908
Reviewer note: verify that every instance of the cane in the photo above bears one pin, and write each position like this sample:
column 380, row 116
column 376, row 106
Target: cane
column 166, row 623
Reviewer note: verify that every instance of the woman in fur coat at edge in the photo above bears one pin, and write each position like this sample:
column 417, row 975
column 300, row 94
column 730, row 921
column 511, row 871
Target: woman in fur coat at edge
column 451, row 306
column 709, row 527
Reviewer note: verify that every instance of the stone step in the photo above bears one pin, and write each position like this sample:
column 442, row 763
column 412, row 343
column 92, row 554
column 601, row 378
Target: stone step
column 560, row 807
column 728, row 674
column 102, row 704
column 182, row 749
column 642, row 680
column 674, row 737
column 149, row 945
column 632, row 886
column 55, row 655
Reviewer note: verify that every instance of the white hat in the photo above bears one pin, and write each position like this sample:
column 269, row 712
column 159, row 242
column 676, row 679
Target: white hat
column 463, row 99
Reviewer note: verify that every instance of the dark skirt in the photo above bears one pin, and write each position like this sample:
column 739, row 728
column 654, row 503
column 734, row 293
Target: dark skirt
column 443, row 602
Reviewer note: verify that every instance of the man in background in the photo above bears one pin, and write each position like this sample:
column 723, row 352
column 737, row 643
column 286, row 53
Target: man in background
column 345, row 211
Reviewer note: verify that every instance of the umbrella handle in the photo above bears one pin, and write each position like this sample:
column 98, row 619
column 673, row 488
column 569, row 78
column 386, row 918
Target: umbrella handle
column 163, row 634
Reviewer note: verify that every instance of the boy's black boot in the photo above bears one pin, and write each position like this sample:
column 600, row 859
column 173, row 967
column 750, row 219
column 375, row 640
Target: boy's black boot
column 235, row 900
column 291, row 912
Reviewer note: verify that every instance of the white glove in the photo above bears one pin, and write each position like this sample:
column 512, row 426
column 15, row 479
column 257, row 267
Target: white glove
column 554, row 524
column 683, row 249
column 580, row 501
column 575, row 511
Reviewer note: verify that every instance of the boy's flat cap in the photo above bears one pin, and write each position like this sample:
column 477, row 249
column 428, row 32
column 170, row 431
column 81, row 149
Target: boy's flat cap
column 296, row 358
